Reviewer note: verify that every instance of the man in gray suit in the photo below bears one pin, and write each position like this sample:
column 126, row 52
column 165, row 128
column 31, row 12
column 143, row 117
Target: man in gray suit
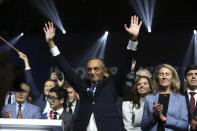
column 21, row 108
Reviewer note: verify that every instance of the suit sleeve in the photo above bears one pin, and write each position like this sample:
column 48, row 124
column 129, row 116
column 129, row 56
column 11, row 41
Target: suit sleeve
column 68, row 122
column 37, row 113
column 123, row 70
column 34, row 91
column 147, row 121
column 69, row 73
column 180, row 124
column 3, row 110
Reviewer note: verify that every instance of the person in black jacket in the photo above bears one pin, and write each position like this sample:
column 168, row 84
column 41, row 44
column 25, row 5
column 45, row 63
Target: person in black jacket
column 98, row 94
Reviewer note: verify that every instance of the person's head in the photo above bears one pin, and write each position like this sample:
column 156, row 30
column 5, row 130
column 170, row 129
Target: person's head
column 57, row 97
column 95, row 69
column 143, row 72
column 190, row 77
column 142, row 87
column 72, row 94
column 165, row 77
column 22, row 93
column 48, row 85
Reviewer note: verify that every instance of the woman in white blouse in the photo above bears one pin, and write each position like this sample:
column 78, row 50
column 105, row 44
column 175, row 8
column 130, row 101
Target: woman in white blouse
column 133, row 110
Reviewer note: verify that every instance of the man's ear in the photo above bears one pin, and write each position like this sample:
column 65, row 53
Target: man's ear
column 105, row 74
column 62, row 100
column 184, row 80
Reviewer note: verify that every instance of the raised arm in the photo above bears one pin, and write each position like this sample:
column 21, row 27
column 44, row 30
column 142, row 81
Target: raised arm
column 129, row 53
column 61, row 62
column 34, row 91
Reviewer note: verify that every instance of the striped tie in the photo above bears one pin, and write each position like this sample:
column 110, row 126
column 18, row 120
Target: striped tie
column 192, row 103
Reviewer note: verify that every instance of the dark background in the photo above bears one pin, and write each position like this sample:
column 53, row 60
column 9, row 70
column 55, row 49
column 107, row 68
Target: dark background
column 86, row 20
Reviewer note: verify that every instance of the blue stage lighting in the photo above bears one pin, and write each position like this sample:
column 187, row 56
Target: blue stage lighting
column 194, row 32
column 48, row 9
column 145, row 10
column 22, row 34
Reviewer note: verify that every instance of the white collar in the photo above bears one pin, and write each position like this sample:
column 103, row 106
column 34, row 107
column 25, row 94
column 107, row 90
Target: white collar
column 188, row 91
column 59, row 111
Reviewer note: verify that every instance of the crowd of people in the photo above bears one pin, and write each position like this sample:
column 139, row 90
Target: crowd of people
column 95, row 103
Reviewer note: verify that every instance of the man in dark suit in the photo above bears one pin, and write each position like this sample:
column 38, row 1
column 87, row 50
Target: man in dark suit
column 98, row 94
column 57, row 100
column 72, row 103
column 39, row 98
column 190, row 78
column 21, row 108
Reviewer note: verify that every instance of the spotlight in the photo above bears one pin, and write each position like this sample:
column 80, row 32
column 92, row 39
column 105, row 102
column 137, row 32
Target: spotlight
column 22, row 34
column 145, row 9
column 194, row 32
column 106, row 32
column 64, row 32
column 149, row 30
column 12, row 41
column 49, row 10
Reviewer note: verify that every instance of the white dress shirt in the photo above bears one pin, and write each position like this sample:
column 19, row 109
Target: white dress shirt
column 12, row 97
column 72, row 107
column 60, row 111
column 132, row 116
column 195, row 96
column 92, row 123
column 22, row 106
column 47, row 107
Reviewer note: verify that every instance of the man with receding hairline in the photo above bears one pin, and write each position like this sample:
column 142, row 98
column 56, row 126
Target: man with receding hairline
column 98, row 95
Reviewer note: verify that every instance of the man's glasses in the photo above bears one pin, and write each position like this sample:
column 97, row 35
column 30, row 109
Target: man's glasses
column 52, row 99
column 96, row 69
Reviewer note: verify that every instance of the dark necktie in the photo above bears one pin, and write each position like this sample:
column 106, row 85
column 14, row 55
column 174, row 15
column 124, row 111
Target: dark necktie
column 19, row 114
column 9, row 97
column 192, row 102
column 70, row 107
column 55, row 115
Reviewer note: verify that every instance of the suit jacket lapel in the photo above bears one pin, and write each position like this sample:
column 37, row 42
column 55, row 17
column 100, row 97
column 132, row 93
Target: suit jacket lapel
column 99, row 87
column 25, row 110
column 171, row 102
column 156, row 98
column 76, row 109
column 187, row 102
column 13, row 110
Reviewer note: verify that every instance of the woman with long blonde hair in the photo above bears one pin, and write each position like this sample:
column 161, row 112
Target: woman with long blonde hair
column 165, row 109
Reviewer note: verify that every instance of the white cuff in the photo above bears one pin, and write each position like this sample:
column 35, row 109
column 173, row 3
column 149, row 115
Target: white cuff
column 132, row 45
column 28, row 68
column 55, row 51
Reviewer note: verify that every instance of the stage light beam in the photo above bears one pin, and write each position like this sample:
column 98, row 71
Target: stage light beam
column 194, row 32
column 12, row 41
column 48, row 9
column 22, row 34
column 145, row 10
column 64, row 32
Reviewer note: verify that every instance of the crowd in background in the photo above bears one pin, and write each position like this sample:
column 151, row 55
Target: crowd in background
column 96, row 103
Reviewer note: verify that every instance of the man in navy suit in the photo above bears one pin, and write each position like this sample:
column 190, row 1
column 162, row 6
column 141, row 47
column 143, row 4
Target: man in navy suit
column 98, row 94
column 21, row 108
column 39, row 97
column 190, row 78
